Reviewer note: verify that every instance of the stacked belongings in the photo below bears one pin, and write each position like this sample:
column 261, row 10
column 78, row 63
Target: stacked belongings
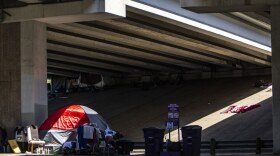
column 21, row 138
column 62, row 126
column 110, row 140
column 88, row 139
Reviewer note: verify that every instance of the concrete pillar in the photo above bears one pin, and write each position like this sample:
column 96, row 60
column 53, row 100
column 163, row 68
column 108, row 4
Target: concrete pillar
column 23, row 74
column 275, row 36
column 10, row 109
column 33, row 73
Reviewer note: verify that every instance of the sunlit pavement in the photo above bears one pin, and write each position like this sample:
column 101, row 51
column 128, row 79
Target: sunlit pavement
column 143, row 154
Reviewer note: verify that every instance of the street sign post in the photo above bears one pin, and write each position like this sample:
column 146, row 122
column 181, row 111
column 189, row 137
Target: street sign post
column 173, row 119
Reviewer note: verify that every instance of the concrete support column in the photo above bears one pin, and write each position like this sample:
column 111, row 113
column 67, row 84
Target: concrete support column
column 275, row 35
column 23, row 74
column 10, row 97
column 33, row 73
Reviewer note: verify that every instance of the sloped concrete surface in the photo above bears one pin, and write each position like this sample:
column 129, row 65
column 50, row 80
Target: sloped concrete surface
column 128, row 109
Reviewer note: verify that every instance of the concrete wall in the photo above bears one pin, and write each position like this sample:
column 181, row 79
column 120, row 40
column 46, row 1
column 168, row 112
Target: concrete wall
column 10, row 95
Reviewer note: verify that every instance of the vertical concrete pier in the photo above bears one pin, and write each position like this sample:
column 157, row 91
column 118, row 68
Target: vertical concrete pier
column 23, row 74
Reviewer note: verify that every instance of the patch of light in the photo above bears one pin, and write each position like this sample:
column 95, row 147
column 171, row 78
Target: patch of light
column 195, row 24
column 217, row 117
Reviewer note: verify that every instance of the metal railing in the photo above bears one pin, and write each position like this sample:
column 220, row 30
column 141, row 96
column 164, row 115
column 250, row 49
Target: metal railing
column 214, row 147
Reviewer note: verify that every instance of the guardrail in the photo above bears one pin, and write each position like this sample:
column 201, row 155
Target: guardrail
column 214, row 147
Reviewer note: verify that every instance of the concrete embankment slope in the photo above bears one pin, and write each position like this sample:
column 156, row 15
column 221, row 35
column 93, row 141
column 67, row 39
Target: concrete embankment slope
column 128, row 109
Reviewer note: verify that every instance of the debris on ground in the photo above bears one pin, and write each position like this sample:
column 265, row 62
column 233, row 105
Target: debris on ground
column 240, row 109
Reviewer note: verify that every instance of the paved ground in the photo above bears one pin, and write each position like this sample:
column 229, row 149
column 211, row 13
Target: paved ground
column 143, row 155
column 223, row 154
column 128, row 109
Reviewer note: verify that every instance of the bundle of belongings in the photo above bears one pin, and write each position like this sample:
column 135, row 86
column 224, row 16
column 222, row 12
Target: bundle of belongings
column 26, row 140
column 90, row 140
column 240, row 109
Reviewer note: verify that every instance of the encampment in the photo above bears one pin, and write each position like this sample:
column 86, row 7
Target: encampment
column 63, row 123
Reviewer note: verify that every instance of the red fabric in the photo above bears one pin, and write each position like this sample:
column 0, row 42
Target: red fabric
column 241, row 109
column 230, row 108
column 66, row 118
column 250, row 107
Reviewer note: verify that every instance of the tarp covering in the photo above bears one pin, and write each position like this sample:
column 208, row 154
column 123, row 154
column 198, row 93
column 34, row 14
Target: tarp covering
column 71, row 117
column 66, row 118
column 64, row 122
column 58, row 83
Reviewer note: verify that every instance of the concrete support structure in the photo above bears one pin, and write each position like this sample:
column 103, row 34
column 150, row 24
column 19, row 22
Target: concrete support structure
column 10, row 76
column 251, row 5
column 33, row 72
column 23, row 54
column 23, row 70
column 228, row 5
column 275, row 34
column 76, row 11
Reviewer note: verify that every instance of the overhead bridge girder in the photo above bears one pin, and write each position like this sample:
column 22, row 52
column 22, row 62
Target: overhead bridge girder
column 214, row 6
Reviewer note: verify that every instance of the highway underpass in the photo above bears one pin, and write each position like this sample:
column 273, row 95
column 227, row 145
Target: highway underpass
column 123, row 40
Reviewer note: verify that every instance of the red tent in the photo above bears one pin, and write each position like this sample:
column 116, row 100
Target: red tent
column 71, row 117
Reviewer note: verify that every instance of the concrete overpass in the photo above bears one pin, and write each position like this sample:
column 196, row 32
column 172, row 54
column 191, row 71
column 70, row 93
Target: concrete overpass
column 122, row 39
column 270, row 7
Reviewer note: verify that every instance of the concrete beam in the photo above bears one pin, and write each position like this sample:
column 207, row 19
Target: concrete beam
column 149, row 32
column 189, row 27
column 113, row 49
column 104, row 46
column 208, row 6
column 141, row 37
column 91, row 63
column 254, row 20
column 184, row 41
column 77, row 11
column 122, row 60
column 75, row 68
column 52, row 71
column 142, row 55
column 127, row 39
column 159, row 68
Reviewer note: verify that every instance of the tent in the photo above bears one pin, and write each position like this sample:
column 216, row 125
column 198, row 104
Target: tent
column 63, row 123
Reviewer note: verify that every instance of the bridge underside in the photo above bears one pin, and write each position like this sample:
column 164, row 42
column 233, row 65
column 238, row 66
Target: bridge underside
column 269, row 6
column 144, row 43
column 115, row 39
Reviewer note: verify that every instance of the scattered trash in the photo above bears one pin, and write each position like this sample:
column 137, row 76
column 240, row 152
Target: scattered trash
column 240, row 109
